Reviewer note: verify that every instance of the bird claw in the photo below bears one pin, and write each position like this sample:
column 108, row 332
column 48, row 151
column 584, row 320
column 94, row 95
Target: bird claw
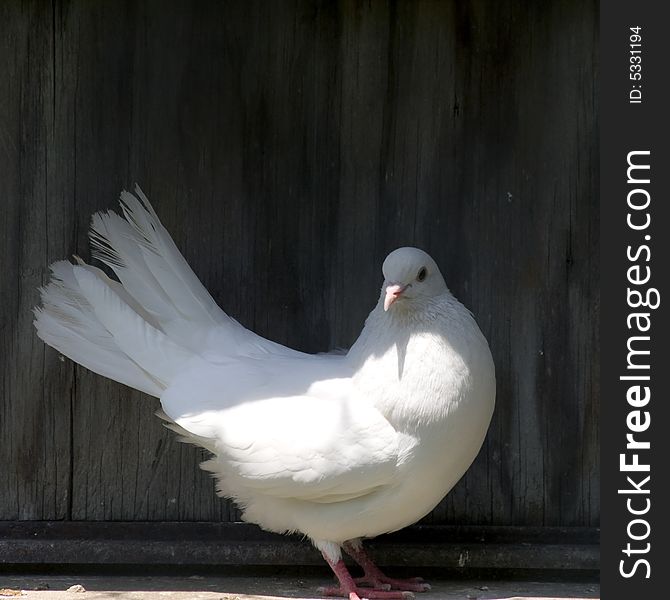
column 367, row 594
column 415, row 584
column 378, row 585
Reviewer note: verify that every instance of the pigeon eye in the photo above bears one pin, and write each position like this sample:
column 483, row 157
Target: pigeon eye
column 421, row 275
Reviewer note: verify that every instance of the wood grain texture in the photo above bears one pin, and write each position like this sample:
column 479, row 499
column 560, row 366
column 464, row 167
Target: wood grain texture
column 36, row 387
column 288, row 146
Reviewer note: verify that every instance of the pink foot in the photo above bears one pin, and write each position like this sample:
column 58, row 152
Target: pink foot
column 374, row 576
column 347, row 587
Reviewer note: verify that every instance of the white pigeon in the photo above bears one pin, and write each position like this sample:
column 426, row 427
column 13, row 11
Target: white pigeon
column 336, row 447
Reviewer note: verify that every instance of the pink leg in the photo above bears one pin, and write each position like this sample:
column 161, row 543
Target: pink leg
column 349, row 589
column 374, row 577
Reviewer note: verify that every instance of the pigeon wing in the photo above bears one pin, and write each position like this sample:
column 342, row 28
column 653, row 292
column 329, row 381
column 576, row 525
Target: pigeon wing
column 286, row 427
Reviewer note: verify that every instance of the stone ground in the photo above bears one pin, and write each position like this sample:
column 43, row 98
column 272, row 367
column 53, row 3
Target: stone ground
column 196, row 587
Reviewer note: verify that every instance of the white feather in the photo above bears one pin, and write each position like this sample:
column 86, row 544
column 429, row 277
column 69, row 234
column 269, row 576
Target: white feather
column 167, row 265
column 145, row 345
column 66, row 321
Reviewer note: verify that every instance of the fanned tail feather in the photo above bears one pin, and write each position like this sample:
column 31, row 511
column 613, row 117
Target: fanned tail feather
column 67, row 322
column 143, row 329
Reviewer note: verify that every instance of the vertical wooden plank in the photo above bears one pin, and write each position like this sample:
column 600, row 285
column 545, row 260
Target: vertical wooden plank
column 125, row 464
column 529, row 164
column 35, row 385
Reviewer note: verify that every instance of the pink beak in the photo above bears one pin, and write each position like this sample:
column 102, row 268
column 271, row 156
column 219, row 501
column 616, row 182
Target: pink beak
column 393, row 292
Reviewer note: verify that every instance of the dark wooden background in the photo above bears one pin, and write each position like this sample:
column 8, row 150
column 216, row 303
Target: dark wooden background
column 288, row 146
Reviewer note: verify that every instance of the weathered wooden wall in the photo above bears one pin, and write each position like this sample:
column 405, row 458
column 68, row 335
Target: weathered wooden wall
column 288, row 146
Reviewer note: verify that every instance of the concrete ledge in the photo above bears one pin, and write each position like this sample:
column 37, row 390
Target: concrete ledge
column 218, row 544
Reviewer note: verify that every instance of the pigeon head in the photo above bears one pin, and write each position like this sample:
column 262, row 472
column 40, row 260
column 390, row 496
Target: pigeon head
column 410, row 278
